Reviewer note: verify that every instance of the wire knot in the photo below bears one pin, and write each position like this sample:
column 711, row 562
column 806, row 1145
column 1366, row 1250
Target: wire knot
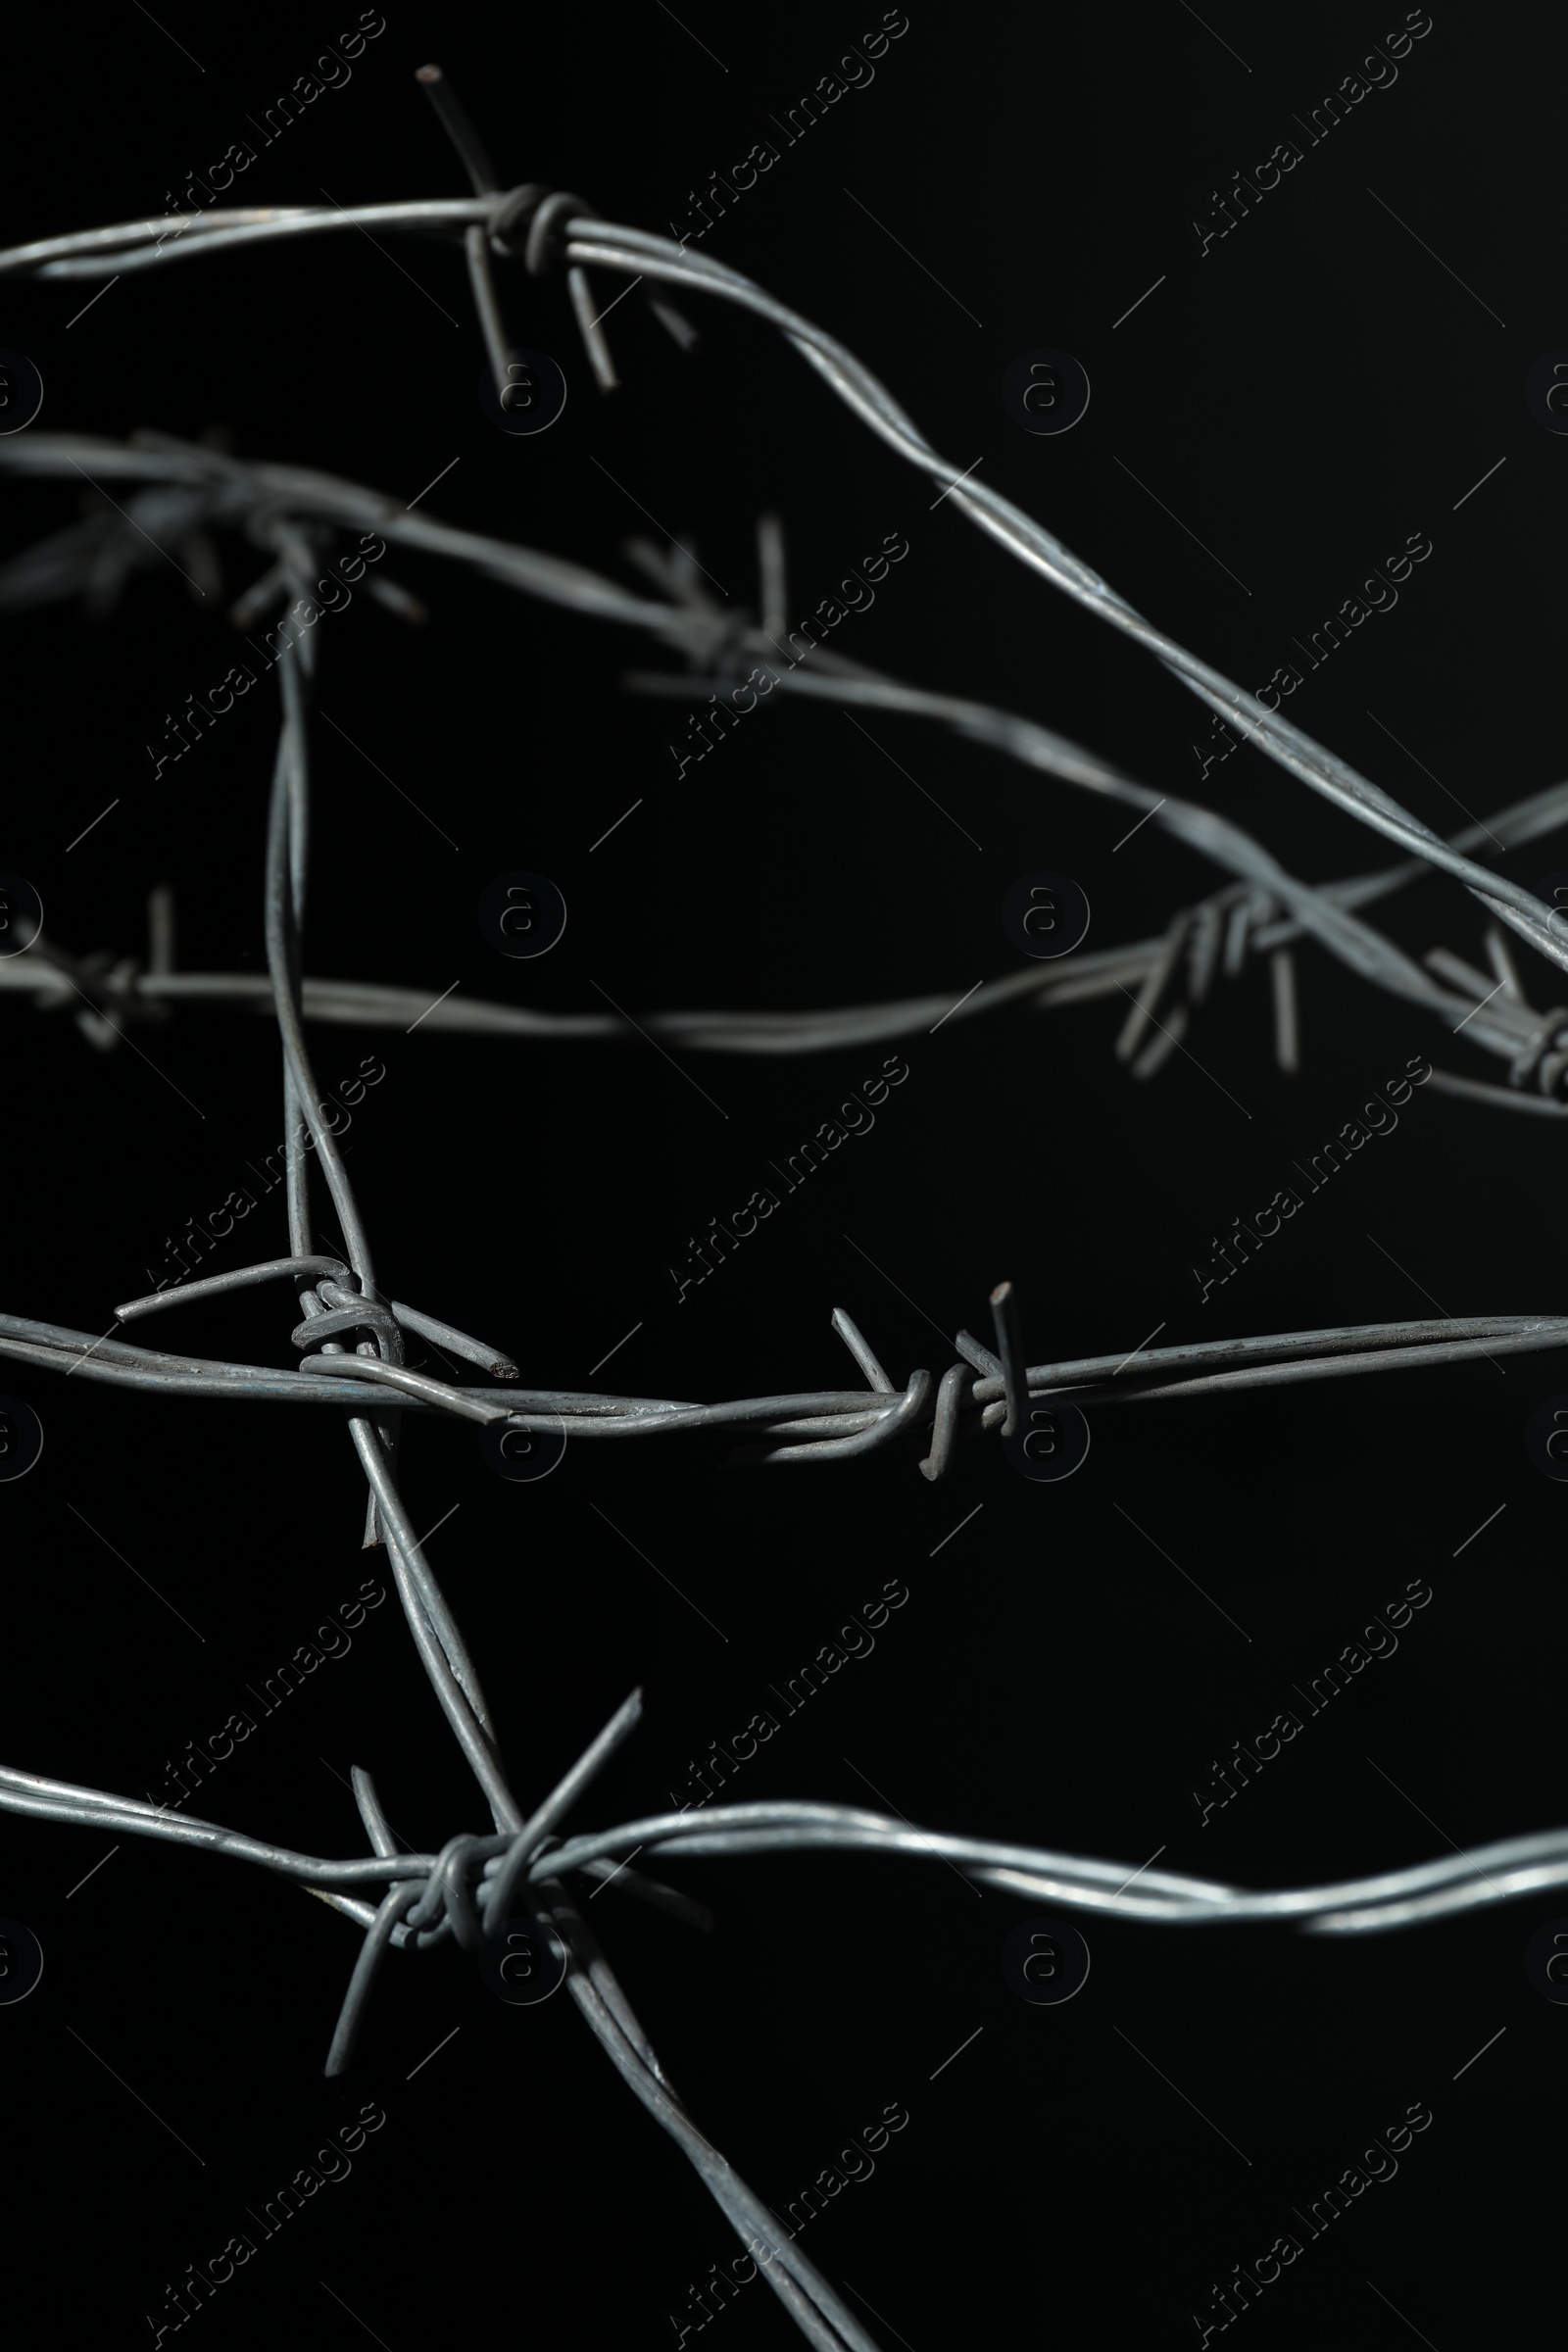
column 445, row 1891
column 512, row 208
column 547, row 241
column 335, row 1307
column 1544, row 1058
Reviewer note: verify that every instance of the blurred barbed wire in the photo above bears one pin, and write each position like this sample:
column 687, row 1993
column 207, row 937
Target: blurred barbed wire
column 1264, row 911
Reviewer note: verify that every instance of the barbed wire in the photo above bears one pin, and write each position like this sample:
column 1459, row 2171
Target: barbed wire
column 1265, row 911
column 977, row 1399
column 581, row 241
column 352, row 1335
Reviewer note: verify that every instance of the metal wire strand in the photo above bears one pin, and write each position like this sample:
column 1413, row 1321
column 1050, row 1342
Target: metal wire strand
column 1478, row 1877
column 394, row 1906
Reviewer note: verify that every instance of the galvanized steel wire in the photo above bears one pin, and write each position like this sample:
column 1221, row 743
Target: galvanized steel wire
column 350, row 1334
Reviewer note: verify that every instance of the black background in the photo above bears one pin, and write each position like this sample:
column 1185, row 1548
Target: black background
column 1310, row 392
